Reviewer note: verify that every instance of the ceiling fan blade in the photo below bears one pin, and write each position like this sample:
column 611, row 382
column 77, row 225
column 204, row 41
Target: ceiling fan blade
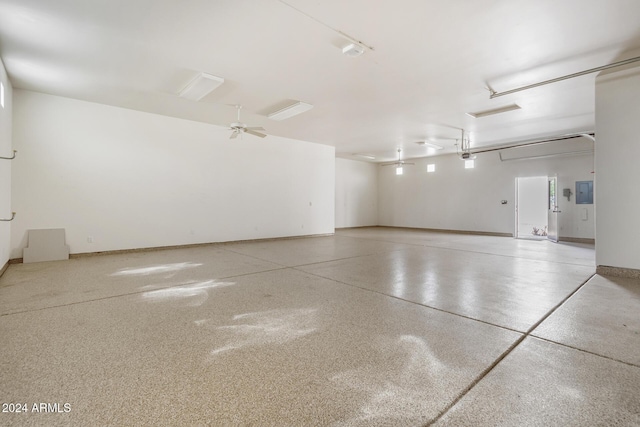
column 390, row 164
column 255, row 128
column 234, row 134
column 405, row 163
column 254, row 133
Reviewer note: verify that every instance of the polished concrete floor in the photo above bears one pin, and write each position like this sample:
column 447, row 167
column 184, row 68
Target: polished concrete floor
column 372, row 326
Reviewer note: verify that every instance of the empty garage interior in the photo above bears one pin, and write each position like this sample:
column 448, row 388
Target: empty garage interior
column 291, row 212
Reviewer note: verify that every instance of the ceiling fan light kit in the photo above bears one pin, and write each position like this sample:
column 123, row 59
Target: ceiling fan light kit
column 398, row 163
column 239, row 128
column 202, row 85
column 290, row 111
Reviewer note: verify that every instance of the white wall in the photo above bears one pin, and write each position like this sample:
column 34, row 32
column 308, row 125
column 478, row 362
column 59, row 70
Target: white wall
column 6, row 150
column 356, row 193
column 617, row 190
column 130, row 179
column 454, row 198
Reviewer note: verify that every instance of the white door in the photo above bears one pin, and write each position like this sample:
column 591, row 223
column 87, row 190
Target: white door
column 531, row 207
column 552, row 209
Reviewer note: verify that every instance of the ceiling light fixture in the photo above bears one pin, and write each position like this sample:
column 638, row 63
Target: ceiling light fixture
column 493, row 111
column 290, row 111
column 365, row 156
column 202, row 85
column 430, row 145
column 353, row 50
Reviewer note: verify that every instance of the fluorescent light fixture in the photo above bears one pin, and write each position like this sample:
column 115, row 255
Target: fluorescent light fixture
column 290, row 111
column 202, row 85
column 491, row 112
column 431, row 167
column 2, row 94
column 469, row 164
column 353, row 50
column 399, row 170
column 430, row 145
column 365, row 156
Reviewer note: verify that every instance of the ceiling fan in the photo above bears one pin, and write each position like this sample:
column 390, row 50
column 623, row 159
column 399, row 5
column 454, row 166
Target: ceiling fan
column 465, row 153
column 239, row 128
column 398, row 163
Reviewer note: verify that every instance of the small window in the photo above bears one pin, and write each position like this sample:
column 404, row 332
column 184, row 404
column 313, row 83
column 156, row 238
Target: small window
column 469, row 164
column 399, row 170
column 431, row 167
column 584, row 192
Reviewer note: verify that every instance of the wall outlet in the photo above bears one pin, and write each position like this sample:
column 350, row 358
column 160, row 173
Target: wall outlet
column 90, row 239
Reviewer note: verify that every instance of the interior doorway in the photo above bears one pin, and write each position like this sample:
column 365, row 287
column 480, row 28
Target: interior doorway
column 532, row 207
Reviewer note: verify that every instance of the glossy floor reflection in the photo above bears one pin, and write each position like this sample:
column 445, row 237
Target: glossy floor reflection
column 375, row 326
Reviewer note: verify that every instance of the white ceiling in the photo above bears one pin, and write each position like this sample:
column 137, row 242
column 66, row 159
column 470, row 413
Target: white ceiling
column 430, row 64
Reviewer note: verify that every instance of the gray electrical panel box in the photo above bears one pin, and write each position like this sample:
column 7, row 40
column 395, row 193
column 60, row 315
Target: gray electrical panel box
column 584, row 192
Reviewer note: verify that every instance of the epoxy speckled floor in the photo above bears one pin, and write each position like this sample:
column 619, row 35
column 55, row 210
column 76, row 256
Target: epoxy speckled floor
column 372, row 326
